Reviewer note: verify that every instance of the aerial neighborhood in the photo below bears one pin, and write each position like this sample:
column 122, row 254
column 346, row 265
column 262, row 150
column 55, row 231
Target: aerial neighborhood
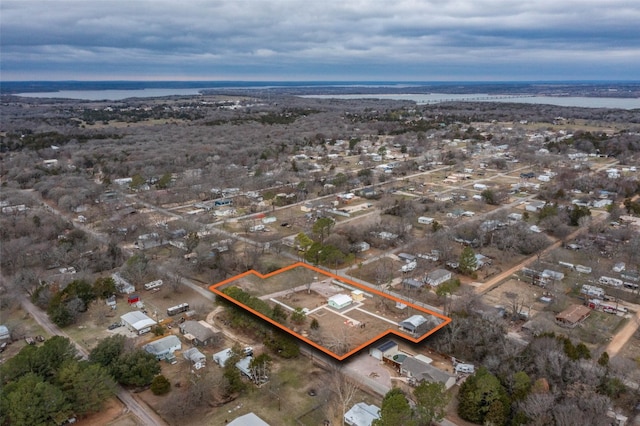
column 237, row 258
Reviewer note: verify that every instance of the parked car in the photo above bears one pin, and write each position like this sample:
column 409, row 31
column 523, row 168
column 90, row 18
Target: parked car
column 114, row 326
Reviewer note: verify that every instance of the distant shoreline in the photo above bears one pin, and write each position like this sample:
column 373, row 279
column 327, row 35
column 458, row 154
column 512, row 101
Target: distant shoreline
column 604, row 89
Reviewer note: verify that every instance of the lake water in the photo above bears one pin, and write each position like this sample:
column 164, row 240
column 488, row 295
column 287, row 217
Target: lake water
column 434, row 98
column 420, row 99
column 111, row 95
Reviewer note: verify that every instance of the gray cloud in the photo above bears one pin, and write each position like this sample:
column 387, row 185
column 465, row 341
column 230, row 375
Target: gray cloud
column 292, row 39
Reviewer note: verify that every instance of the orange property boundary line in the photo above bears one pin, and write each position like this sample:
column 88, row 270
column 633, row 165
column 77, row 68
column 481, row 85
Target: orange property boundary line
column 214, row 289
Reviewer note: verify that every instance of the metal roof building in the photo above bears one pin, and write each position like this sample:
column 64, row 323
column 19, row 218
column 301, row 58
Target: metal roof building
column 362, row 414
column 137, row 322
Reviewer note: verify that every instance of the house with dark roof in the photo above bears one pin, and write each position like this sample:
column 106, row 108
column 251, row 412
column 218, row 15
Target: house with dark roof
column 411, row 284
column 383, row 349
column 197, row 333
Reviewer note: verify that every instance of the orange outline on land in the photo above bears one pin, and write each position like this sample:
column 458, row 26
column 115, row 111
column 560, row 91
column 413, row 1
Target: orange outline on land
column 214, row 289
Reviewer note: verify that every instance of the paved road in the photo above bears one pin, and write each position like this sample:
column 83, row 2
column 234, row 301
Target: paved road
column 146, row 415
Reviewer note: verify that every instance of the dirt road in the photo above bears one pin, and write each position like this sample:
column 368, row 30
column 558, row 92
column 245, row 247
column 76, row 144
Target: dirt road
column 623, row 336
column 146, row 416
column 485, row 287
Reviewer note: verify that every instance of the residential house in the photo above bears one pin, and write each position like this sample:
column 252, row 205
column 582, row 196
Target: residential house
column 222, row 357
column 339, row 301
column 123, row 286
column 411, row 284
column 437, row 277
column 418, row 371
column 197, row 358
column 362, row 414
column 163, row 348
column 534, row 206
column 573, row 316
column 197, row 333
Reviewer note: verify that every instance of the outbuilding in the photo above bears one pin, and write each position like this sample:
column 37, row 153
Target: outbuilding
column 339, row 301
column 386, row 348
column 137, row 322
column 416, row 325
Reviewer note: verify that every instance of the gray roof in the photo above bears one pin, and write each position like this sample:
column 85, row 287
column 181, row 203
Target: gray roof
column 197, row 330
column 249, row 419
column 412, row 283
column 423, row 371
column 194, row 355
column 362, row 414
column 415, row 321
column 137, row 320
column 438, row 274
column 162, row 346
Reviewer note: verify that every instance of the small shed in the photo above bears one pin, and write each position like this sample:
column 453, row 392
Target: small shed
column 111, row 301
column 133, row 298
column 164, row 347
column 357, row 295
column 362, row 414
column 437, row 277
column 573, row 315
column 407, row 257
column 339, row 301
column 385, row 348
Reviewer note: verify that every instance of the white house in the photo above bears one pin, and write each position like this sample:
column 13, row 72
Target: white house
column 222, row 357
column 339, row 301
column 137, row 322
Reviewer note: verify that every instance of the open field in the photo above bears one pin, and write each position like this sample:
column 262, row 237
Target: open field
column 343, row 340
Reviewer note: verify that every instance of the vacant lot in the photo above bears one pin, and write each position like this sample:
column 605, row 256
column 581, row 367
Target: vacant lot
column 341, row 329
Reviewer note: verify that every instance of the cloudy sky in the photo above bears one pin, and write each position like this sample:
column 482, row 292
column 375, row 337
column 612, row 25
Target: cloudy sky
column 399, row 40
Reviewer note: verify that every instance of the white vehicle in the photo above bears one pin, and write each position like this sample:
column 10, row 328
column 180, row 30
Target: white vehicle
column 153, row 284
column 614, row 282
column 465, row 368
column 425, row 220
column 590, row 290
column 409, row 267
